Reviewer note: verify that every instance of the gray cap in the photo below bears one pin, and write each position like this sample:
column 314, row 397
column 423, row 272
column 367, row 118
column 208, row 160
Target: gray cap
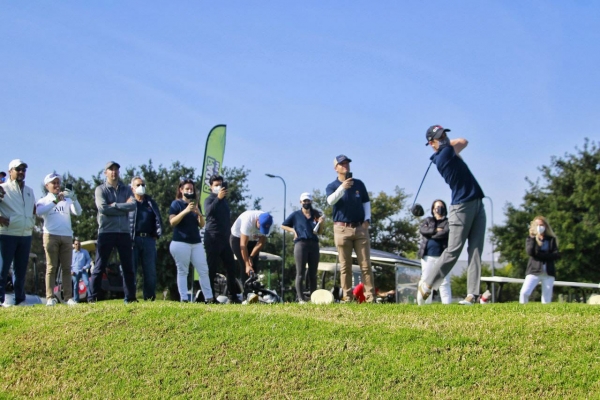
column 110, row 164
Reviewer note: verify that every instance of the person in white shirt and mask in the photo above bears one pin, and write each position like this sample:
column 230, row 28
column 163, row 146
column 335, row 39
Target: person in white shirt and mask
column 56, row 209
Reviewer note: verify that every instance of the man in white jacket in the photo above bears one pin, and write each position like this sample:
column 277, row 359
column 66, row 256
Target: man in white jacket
column 17, row 218
column 56, row 209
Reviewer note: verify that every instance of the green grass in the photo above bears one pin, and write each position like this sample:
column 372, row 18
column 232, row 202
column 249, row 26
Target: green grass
column 171, row 350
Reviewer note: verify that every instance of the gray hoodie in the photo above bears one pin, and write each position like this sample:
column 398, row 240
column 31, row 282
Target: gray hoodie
column 113, row 209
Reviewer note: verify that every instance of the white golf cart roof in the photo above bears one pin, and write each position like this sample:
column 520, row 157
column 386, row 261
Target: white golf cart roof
column 379, row 257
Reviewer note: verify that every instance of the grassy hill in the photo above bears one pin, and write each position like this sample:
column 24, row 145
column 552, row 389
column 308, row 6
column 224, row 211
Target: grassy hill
column 171, row 350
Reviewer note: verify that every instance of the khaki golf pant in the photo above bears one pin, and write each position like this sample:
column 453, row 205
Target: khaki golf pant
column 59, row 249
column 357, row 239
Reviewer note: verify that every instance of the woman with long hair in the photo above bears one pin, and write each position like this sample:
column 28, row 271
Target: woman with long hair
column 542, row 248
column 434, row 239
column 187, row 219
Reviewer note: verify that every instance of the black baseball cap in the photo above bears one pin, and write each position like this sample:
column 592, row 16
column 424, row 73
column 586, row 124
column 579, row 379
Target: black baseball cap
column 434, row 132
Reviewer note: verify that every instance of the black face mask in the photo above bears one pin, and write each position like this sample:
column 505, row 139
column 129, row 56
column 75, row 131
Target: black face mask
column 189, row 196
column 307, row 206
column 440, row 210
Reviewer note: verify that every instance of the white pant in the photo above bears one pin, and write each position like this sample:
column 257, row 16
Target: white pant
column 531, row 282
column 427, row 264
column 183, row 254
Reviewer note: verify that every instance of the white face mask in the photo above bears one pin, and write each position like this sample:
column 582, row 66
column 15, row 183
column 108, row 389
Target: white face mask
column 140, row 190
column 541, row 229
column 216, row 189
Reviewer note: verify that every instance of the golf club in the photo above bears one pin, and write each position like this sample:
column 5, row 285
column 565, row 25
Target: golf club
column 417, row 209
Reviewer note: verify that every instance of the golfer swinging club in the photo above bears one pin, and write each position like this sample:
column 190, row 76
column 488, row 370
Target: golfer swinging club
column 466, row 215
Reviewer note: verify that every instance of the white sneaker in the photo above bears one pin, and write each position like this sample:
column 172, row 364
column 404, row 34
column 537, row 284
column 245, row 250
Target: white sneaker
column 468, row 301
column 72, row 302
column 7, row 305
column 51, row 302
column 424, row 290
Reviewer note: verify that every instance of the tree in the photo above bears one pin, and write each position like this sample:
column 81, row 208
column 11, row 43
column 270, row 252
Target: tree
column 569, row 196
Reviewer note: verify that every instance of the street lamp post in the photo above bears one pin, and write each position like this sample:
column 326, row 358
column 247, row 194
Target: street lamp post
column 492, row 243
column 284, row 202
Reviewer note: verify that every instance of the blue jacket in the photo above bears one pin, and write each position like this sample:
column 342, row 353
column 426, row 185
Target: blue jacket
column 133, row 216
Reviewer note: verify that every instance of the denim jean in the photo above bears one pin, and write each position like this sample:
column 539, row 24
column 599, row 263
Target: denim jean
column 14, row 250
column 82, row 275
column 104, row 246
column 144, row 251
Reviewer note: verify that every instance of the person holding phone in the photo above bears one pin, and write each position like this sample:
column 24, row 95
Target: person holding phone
column 216, row 236
column 115, row 201
column 56, row 209
column 306, row 224
column 351, row 220
column 186, row 219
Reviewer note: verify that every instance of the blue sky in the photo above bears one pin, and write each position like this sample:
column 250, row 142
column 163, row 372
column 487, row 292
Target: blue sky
column 298, row 83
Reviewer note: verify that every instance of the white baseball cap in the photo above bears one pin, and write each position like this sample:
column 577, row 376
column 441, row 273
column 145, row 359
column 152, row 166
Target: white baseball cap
column 50, row 177
column 305, row 196
column 16, row 163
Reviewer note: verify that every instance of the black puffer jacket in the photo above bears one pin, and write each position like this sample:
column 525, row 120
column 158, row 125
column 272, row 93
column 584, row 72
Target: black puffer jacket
column 428, row 230
column 537, row 257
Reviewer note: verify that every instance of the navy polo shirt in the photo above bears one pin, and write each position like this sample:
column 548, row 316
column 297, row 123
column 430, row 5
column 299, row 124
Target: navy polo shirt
column 145, row 219
column 302, row 225
column 187, row 230
column 457, row 175
column 350, row 207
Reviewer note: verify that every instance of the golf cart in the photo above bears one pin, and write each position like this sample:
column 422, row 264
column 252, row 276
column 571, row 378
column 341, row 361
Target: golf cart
column 407, row 272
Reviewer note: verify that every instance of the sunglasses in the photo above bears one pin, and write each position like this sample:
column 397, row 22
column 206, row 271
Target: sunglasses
column 20, row 169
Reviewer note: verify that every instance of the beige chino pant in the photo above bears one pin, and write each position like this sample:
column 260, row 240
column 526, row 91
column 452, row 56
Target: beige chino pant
column 59, row 249
column 346, row 239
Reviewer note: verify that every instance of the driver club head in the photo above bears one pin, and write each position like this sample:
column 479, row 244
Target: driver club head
column 417, row 210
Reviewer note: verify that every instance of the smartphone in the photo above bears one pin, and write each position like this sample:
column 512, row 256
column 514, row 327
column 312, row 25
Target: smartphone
column 224, row 185
column 69, row 186
column 348, row 175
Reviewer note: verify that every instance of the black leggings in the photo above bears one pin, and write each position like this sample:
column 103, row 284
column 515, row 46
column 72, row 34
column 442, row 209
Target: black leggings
column 306, row 251
column 217, row 249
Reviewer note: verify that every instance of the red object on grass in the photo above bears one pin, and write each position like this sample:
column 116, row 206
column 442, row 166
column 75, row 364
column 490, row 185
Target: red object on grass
column 359, row 293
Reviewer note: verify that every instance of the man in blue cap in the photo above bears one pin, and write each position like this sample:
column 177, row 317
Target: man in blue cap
column 351, row 220
column 466, row 215
column 248, row 236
